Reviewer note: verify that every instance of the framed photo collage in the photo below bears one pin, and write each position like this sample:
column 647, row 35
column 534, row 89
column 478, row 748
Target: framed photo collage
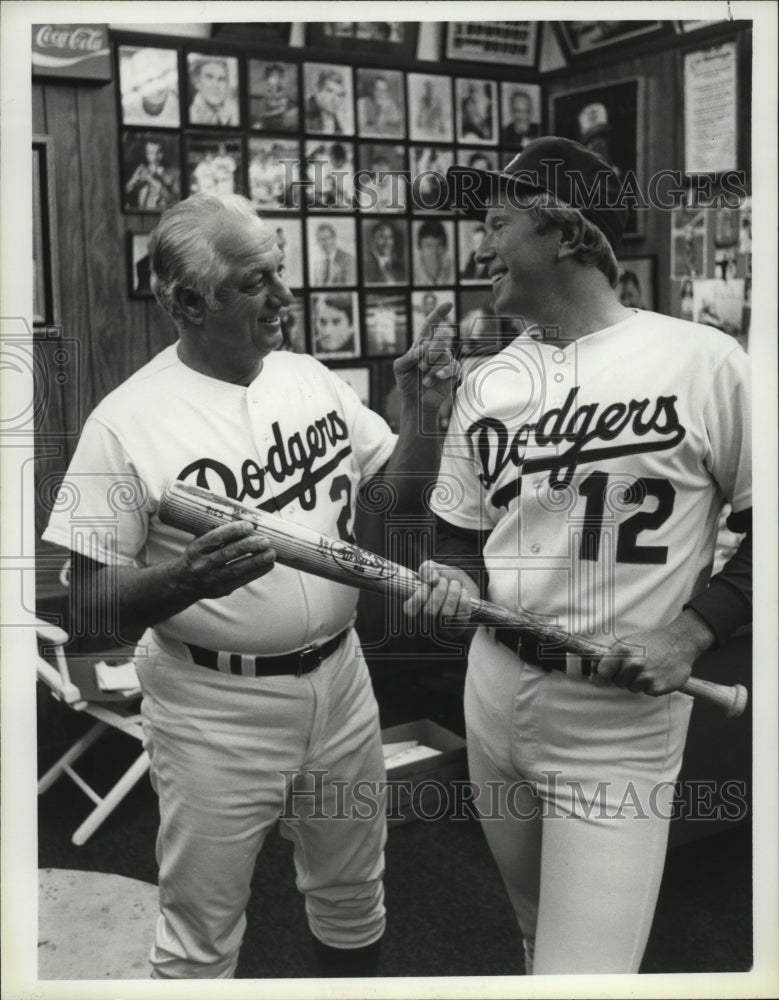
column 344, row 163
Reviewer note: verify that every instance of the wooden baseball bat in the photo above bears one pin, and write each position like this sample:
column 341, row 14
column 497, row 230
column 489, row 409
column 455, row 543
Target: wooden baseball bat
column 197, row 511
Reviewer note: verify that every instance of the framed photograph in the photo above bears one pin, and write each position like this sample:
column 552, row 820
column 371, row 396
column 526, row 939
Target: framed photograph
column 385, row 251
column 329, row 167
column 335, row 319
column 470, row 234
column 212, row 90
column 358, row 379
column 138, row 266
column 289, row 239
column 520, row 117
column 149, row 86
column 45, row 270
column 476, row 111
column 424, row 302
column 710, row 109
column 429, row 188
column 273, row 96
column 393, row 38
column 381, row 184
column 214, row 166
column 582, row 37
column 386, row 324
column 332, row 251
column 636, row 287
column 293, row 326
column 608, row 120
column 328, row 99
column 274, row 170
column 512, row 42
column 430, row 109
column 151, row 173
column 432, row 241
column 381, row 104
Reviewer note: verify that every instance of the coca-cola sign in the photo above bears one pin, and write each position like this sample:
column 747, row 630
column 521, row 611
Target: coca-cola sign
column 71, row 51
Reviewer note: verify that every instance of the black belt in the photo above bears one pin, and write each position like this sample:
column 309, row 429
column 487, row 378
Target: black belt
column 302, row 661
column 531, row 650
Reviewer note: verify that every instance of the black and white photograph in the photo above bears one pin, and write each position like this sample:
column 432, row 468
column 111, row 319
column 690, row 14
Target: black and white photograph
column 139, row 266
column 149, row 86
column 328, row 94
column 329, row 166
column 274, row 172
column 520, row 119
column 382, row 182
column 432, row 241
column 381, row 104
column 274, row 104
column 385, row 251
column 386, row 324
column 332, row 250
column 212, row 90
column 150, row 170
column 289, row 239
column 214, row 165
column 335, row 323
column 476, row 107
column 430, row 109
column 429, row 187
column 378, row 601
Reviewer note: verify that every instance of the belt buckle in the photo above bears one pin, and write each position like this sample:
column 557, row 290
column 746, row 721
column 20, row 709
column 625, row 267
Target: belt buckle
column 315, row 653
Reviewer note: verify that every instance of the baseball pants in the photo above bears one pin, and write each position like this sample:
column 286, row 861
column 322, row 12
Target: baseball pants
column 574, row 784
column 220, row 746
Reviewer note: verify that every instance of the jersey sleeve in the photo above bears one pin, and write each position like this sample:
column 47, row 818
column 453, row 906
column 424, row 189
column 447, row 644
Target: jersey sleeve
column 459, row 497
column 372, row 440
column 102, row 507
column 727, row 419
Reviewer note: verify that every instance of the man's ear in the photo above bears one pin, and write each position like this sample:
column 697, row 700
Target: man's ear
column 571, row 234
column 191, row 305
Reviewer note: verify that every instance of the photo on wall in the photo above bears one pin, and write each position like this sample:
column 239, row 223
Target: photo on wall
column 328, row 99
column 329, row 167
column 429, row 188
column 386, row 324
column 274, row 172
column 214, row 166
column 470, row 271
column 151, row 174
column 430, row 109
column 432, row 241
column 149, row 86
column 381, row 184
column 358, row 379
column 476, row 105
column 212, row 90
column 636, row 283
column 335, row 320
column 332, row 250
column 520, row 118
column 381, row 104
column 273, row 96
column 385, row 251
column 424, row 302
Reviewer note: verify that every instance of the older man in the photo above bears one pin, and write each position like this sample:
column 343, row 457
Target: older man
column 257, row 702
column 587, row 465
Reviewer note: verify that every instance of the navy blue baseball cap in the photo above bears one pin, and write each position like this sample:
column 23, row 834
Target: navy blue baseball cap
column 570, row 172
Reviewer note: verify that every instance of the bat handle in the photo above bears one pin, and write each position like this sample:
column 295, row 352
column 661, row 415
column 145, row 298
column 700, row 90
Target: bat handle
column 733, row 700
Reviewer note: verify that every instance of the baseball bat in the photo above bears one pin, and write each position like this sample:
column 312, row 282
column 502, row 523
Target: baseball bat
column 197, row 511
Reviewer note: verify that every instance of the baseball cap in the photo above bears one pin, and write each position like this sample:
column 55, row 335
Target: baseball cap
column 593, row 120
column 574, row 175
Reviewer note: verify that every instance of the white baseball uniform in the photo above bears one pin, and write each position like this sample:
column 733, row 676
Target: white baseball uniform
column 599, row 468
column 297, row 441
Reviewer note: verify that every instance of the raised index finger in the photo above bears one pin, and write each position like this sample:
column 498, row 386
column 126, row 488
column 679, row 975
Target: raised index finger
column 433, row 319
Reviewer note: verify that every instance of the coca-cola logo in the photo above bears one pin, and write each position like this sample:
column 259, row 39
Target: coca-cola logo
column 80, row 38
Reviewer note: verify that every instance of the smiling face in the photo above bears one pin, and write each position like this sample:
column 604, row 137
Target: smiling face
column 211, row 81
column 383, row 240
column 235, row 338
column 521, row 263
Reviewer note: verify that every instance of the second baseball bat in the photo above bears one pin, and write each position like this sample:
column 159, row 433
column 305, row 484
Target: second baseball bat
column 197, row 511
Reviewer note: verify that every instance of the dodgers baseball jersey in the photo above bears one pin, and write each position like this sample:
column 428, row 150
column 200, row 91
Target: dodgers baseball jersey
column 297, row 441
column 599, row 467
